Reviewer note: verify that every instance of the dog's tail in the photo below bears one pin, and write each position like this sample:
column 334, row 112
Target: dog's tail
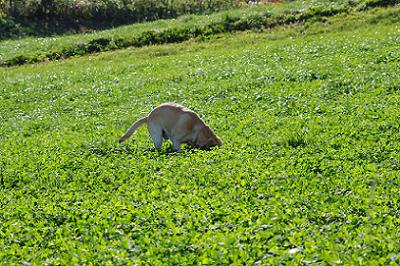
column 132, row 129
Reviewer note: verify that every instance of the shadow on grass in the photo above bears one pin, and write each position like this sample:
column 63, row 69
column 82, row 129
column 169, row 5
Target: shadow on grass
column 107, row 150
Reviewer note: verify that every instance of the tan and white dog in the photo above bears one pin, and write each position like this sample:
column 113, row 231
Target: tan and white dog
column 177, row 123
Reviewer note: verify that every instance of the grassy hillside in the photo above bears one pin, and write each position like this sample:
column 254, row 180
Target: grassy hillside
column 32, row 50
column 308, row 174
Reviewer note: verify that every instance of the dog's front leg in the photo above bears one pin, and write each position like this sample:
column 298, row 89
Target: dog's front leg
column 177, row 145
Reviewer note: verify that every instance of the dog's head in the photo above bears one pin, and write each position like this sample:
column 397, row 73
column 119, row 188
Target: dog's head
column 207, row 139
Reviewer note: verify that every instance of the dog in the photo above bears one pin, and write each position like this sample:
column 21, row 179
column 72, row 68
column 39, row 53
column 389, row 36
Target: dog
column 177, row 123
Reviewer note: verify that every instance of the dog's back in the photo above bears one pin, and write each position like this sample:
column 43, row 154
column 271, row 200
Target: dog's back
column 171, row 115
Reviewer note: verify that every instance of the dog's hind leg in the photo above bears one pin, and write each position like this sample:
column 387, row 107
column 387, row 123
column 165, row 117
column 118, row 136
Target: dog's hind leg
column 156, row 134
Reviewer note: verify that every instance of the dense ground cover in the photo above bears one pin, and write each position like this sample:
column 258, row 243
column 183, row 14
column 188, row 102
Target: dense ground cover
column 309, row 170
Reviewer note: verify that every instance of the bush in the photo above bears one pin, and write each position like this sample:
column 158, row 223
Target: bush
column 376, row 3
column 9, row 28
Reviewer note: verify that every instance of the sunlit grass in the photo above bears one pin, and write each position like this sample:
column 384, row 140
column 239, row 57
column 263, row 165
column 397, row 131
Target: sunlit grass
column 308, row 172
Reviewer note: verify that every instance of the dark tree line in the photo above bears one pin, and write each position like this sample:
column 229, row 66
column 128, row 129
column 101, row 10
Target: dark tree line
column 69, row 11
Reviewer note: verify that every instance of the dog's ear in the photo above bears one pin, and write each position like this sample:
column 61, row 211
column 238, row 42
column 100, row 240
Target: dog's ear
column 214, row 141
column 202, row 138
column 218, row 141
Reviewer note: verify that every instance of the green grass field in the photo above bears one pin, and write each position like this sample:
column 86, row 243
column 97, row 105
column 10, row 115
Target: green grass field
column 309, row 172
